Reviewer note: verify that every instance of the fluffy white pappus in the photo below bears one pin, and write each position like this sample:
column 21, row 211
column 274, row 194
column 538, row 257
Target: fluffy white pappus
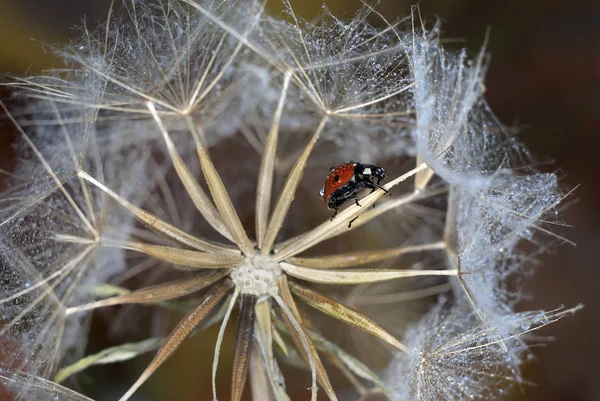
column 498, row 198
column 456, row 133
column 489, row 233
column 455, row 357
column 54, row 229
column 171, row 53
column 355, row 75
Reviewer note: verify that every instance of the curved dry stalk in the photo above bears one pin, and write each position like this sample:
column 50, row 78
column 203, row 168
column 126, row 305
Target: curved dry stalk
column 260, row 385
column 243, row 342
column 363, row 257
column 357, row 276
column 344, row 314
column 186, row 259
column 215, row 365
column 350, row 364
column 264, row 333
column 219, row 194
column 264, row 342
column 118, row 353
column 267, row 167
column 288, row 192
column 304, row 341
column 200, row 199
column 322, row 231
column 279, row 341
column 154, row 223
column 321, row 372
column 338, row 363
column 180, row 333
column 156, row 293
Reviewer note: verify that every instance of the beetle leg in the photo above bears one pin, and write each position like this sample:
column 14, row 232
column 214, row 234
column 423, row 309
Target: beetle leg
column 352, row 221
column 356, row 201
column 334, row 214
column 374, row 186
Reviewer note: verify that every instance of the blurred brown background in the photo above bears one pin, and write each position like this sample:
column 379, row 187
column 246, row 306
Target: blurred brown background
column 544, row 77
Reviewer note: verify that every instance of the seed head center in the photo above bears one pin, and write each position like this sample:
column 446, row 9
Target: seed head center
column 257, row 276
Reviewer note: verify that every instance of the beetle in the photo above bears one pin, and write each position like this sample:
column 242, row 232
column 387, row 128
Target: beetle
column 345, row 181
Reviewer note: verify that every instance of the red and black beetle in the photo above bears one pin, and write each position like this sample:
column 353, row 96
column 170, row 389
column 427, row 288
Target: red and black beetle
column 346, row 180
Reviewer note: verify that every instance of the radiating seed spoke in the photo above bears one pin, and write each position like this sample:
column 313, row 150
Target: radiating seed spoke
column 360, row 258
column 322, row 231
column 243, row 343
column 264, row 344
column 384, row 207
column 267, row 167
column 288, row 192
column 219, row 341
column 321, row 372
column 344, row 314
column 260, row 385
column 157, row 224
column 304, row 340
column 366, row 216
column 180, row 333
column 156, row 293
column 423, row 177
column 263, row 328
column 202, row 202
column 350, row 364
column 357, row 276
column 219, row 194
column 185, row 259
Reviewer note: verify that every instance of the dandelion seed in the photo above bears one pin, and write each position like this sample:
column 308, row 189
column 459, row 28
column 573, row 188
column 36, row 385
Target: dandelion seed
column 454, row 356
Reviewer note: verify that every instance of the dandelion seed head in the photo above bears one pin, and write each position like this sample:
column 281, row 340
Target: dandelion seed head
column 355, row 74
column 176, row 125
column 490, row 228
column 454, row 357
column 51, row 228
column 456, row 133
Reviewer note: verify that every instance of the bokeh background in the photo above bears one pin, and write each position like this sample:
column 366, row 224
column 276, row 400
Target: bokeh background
column 544, row 77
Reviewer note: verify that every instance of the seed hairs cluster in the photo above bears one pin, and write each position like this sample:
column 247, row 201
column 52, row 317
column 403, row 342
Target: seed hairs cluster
column 173, row 167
